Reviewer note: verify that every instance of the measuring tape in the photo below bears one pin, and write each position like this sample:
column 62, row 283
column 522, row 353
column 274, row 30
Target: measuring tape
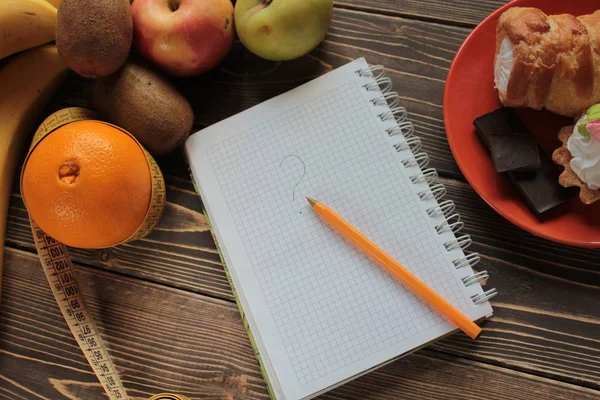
column 61, row 277
column 60, row 271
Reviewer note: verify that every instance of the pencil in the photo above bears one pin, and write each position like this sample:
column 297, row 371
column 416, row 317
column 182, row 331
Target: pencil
column 396, row 269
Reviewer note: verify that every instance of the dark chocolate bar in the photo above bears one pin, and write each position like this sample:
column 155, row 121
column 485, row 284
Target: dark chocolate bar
column 511, row 145
column 540, row 188
column 514, row 152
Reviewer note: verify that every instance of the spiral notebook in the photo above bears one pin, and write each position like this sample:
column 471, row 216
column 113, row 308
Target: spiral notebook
column 318, row 312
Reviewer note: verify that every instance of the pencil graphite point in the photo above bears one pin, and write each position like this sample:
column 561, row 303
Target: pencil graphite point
column 311, row 201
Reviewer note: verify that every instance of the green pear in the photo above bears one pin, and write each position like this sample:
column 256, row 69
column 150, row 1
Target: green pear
column 282, row 29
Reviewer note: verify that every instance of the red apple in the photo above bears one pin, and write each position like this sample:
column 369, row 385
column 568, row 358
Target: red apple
column 183, row 37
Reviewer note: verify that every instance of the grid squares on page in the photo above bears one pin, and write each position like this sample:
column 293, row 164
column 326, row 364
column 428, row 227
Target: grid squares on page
column 330, row 304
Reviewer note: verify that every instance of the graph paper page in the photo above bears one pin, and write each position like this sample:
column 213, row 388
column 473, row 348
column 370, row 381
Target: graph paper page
column 320, row 310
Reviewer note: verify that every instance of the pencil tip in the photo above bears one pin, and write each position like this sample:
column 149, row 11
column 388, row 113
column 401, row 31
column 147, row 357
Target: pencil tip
column 311, row 201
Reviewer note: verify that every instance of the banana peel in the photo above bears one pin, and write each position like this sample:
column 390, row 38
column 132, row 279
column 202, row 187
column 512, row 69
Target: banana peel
column 25, row 24
column 28, row 81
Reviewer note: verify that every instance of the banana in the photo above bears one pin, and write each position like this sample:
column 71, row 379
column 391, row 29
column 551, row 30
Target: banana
column 28, row 80
column 55, row 3
column 25, row 24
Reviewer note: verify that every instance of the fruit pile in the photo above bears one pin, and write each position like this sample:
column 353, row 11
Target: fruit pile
column 87, row 182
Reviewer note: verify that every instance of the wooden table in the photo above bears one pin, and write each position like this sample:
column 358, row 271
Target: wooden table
column 168, row 314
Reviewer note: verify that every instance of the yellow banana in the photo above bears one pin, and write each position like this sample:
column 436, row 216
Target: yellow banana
column 27, row 82
column 25, row 24
column 55, row 3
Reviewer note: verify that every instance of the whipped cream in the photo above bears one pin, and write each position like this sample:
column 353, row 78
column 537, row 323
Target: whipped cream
column 586, row 157
column 504, row 65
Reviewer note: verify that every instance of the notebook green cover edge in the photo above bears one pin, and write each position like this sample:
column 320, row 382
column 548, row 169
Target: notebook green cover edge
column 235, row 295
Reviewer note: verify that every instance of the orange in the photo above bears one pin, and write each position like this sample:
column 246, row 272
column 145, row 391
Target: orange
column 87, row 185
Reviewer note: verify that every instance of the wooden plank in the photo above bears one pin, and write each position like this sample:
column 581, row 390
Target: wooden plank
column 455, row 12
column 549, row 287
column 427, row 375
column 504, row 242
column 547, row 307
column 161, row 339
column 164, row 339
column 180, row 252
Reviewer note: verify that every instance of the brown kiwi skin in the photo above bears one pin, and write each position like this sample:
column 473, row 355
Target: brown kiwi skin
column 94, row 37
column 142, row 101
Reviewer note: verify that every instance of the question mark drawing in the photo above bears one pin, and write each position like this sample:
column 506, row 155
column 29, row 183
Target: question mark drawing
column 291, row 157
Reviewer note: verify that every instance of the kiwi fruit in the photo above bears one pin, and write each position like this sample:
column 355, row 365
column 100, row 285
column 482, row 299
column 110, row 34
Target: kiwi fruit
column 142, row 101
column 94, row 37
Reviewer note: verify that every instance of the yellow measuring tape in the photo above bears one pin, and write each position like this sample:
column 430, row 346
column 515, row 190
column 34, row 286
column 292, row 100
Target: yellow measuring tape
column 61, row 277
column 60, row 272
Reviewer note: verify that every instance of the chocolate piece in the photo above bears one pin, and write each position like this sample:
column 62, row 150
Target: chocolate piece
column 514, row 152
column 540, row 188
column 511, row 145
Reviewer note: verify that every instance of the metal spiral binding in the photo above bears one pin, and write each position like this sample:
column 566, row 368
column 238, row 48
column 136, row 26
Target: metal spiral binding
column 397, row 113
column 468, row 260
column 445, row 208
column 376, row 71
column 479, row 277
column 435, row 189
column 428, row 175
column 382, row 84
column 459, row 243
column 451, row 224
column 391, row 99
column 420, row 159
column 404, row 128
column 412, row 143
column 483, row 297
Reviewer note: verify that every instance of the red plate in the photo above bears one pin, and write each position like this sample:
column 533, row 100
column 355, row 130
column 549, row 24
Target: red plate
column 470, row 92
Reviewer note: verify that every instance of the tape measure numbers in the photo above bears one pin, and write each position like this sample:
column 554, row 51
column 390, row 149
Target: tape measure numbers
column 60, row 272
column 61, row 277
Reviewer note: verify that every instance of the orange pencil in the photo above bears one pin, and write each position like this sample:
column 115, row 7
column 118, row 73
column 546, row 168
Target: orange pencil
column 405, row 276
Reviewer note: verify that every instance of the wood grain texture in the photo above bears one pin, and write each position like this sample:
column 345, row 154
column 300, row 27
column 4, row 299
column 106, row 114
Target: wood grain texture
column 547, row 318
column 180, row 252
column 161, row 339
column 455, row 12
column 548, row 305
column 164, row 339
